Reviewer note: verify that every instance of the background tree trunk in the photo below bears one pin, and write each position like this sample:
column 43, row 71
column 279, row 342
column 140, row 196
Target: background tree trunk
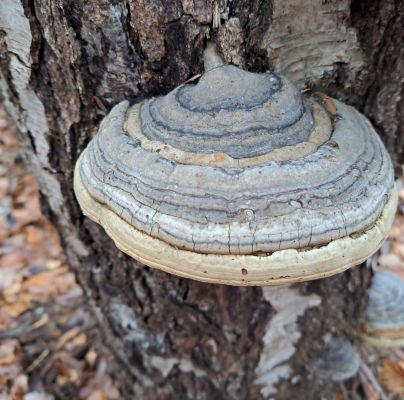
column 65, row 63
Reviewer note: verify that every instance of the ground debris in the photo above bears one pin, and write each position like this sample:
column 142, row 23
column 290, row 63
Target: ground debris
column 49, row 347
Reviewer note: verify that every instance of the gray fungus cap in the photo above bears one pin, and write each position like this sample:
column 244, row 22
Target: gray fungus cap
column 385, row 314
column 239, row 179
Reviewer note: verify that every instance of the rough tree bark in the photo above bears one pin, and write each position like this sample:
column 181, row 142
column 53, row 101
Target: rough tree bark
column 64, row 63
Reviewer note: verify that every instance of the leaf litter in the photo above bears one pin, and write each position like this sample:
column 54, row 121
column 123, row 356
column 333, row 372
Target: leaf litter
column 49, row 347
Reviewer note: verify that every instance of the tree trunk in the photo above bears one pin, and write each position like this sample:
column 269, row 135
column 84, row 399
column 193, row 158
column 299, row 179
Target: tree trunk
column 65, row 63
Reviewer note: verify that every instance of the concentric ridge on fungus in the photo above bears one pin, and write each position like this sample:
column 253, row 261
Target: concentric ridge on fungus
column 239, row 179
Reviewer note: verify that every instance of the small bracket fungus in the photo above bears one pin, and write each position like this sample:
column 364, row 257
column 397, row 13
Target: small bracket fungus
column 385, row 314
column 339, row 361
column 239, row 179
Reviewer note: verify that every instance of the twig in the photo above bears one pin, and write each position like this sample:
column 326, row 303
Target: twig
column 38, row 361
column 368, row 374
column 193, row 78
column 25, row 326
column 365, row 386
column 399, row 353
column 343, row 391
column 15, row 332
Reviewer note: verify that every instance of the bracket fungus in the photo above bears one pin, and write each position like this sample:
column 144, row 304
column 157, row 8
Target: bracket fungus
column 385, row 314
column 339, row 360
column 239, row 179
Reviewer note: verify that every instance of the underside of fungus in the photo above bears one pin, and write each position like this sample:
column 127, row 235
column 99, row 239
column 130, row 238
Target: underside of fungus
column 239, row 179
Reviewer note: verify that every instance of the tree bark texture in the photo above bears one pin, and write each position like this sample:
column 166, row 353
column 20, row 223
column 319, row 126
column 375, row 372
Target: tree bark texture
column 65, row 63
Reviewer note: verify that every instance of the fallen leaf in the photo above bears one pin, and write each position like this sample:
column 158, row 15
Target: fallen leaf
column 67, row 337
column 9, row 352
column 8, row 373
column 16, row 309
column 91, row 357
column 69, row 376
column 392, row 377
column 20, row 387
column 43, row 279
column 25, row 216
column 34, row 235
column 9, row 277
column 11, row 292
column 12, row 260
column 80, row 340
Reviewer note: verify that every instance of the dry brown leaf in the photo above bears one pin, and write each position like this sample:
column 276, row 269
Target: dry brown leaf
column 34, row 235
column 8, row 373
column 40, row 280
column 16, row 309
column 12, row 260
column 91, row 357
column 80, row 340
column 9, row 276
column 392, row 377
column 20, row 387
column 11, row 292
column 47, row 284
column 67, row 337
column 25, row 216
column 69, row 375
column 9, row 352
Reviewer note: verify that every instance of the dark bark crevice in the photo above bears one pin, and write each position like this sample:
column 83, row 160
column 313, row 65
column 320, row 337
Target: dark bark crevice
column 380, row 31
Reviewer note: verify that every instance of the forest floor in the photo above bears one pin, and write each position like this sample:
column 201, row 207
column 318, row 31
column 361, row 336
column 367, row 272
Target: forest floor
column 49, row 346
